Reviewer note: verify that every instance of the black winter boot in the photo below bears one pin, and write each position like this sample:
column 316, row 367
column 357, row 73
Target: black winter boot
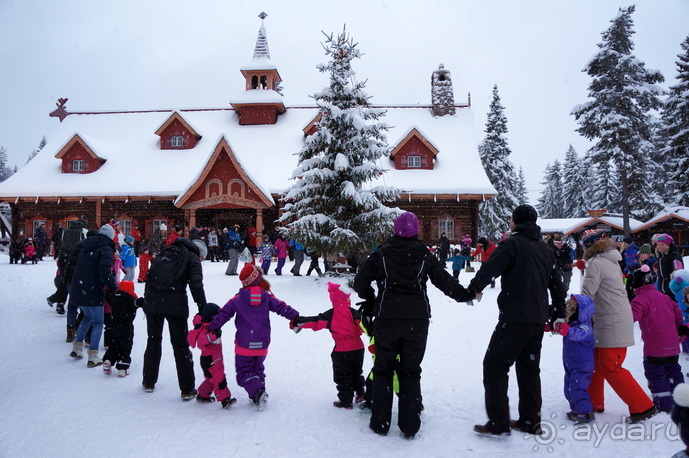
column 70, row 334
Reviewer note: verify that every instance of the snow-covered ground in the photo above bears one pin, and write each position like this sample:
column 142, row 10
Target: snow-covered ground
column 52, row 405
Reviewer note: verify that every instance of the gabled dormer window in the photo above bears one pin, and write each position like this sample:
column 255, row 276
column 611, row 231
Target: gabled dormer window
column 414, row 151
column 177, row 141
column 78, row 157
column 176, row 133
column 413, row 161
column 78, row 165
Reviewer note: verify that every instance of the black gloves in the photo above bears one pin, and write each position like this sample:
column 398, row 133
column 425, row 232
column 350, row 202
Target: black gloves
column 139, row 302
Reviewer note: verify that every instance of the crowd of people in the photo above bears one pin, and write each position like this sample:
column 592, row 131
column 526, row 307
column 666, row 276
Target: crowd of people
column 622, row 282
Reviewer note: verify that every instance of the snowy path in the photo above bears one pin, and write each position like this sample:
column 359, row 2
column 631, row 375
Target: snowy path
column 55, row 406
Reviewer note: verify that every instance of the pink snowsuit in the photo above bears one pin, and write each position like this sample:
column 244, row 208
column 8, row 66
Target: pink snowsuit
column 211, row 360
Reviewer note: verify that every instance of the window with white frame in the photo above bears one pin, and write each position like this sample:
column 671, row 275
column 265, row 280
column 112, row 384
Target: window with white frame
column 413, row 161
column 158, row 222
column 177, row 141
column 35, row 225
column 126, row 226
column 78, row 165
column 448, row 227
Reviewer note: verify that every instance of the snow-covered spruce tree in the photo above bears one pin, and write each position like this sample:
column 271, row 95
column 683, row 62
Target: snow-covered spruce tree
column 604, row 190
column 550, row 204
column 676, row 120
column 5, row 172
column 333, row 206
column 574, row 185
column 522, row 191
column 495, row 213
column 623, row 92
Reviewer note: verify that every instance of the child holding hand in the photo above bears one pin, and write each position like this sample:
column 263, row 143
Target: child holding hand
column 577, row 356
column 660, row 321
column 252, row 306
column 211, row 358
column 348, row 355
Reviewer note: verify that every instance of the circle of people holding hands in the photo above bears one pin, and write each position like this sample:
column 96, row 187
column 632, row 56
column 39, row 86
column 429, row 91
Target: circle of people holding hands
column 620, row 285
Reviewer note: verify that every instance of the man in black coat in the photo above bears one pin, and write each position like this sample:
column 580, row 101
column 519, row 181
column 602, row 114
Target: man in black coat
column 173, row 305
column 529, row 270
column 401, row 267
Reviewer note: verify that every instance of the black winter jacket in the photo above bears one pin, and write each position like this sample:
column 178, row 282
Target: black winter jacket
column 93, row 272
column 175, row 302
column 529, row 270
column 401, row 267
column 71, row 263
column 123, row 306
column 668, row 263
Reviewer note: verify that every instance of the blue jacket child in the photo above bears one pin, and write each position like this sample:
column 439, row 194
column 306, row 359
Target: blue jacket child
column 458, row 261
column 577, row 356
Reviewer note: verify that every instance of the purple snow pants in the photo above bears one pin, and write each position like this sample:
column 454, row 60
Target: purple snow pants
column 250, row 373
column 577, row 357
column 663, row 375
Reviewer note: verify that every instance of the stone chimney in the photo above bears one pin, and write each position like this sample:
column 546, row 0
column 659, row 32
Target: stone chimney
column 442, row 96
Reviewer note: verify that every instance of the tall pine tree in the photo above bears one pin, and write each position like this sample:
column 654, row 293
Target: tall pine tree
column 623, row 92
column 333, row 206
column 676, row 120
column 550, row 205
column 5, row 171
column 495, row 213
column 522, row 191
column 574, row 185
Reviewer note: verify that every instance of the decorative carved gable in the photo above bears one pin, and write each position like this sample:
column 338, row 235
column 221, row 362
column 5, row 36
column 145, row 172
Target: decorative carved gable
column 79, row 157
column 223, row 183
column 414, row 152
column 176, row 133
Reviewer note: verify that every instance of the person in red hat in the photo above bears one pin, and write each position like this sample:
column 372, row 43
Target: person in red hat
column 252, row 305
column 123, row 307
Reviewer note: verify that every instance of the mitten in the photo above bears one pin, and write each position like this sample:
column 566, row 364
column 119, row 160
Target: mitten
column 294, row 325
column 581, row 264
column 214, row 337
column 548, row 328
column 139, row 301
column 562, row 329
column 683, row 330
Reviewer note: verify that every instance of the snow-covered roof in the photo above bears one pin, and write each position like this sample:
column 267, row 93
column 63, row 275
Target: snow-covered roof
column 257, row 96
column 571, row 225
column 667, row 213
column 564, row 225
column 136, row 166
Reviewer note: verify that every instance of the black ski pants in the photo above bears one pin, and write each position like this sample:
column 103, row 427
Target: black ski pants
column 177, row 326
column 406, row 338
column 512, row 343
column 348, row 373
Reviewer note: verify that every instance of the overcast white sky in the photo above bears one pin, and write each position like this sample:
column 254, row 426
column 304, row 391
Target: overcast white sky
column 129, row 54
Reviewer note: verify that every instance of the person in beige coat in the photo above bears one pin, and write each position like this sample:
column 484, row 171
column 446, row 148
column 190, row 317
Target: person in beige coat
column 613, row 327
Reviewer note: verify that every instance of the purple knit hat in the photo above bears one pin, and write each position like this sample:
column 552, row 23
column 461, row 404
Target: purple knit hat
column 664, row 238
column 407, row 225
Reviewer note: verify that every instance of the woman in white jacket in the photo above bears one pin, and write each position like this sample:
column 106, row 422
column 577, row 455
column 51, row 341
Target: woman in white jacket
column 613, row 327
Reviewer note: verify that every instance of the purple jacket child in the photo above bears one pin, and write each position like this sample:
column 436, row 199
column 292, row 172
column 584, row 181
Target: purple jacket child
column 659, row 318
column 252, row 305
column 577, row 356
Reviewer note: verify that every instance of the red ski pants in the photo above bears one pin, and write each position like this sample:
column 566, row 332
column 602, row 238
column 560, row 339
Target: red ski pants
column 608, row 367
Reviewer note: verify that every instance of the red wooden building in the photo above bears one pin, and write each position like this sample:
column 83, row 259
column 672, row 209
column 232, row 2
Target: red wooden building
column 230, row 165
